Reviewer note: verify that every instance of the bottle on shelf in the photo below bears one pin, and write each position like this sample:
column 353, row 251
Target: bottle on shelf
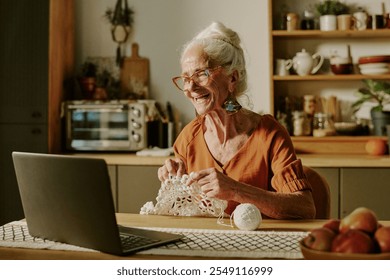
column 301, row 124
column 323, row 125
column 283, row 114
column 308, row 22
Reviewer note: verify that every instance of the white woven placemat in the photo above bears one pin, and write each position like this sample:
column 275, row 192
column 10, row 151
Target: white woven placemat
column 15, row 234
column 233, row 244
column 196, row 243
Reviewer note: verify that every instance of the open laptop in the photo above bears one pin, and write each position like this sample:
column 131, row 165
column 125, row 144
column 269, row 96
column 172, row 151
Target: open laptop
column 68, row 199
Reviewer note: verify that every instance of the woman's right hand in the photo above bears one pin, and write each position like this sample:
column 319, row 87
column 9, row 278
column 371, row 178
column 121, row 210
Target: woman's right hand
column 171, row 167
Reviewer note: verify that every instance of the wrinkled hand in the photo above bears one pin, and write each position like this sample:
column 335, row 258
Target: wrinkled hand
column 214, row 183
column 173, row 167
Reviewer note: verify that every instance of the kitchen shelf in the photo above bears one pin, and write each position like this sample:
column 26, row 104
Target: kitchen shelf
column 351, row 77
column 336, row 145
column 311, row 34
column 284, row 44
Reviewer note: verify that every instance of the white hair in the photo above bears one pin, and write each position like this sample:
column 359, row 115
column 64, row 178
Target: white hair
column 222, row 46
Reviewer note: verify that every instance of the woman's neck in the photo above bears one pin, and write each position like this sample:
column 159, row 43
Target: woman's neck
column 225, row 126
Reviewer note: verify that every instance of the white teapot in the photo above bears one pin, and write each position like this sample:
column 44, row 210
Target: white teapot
column 306, row 64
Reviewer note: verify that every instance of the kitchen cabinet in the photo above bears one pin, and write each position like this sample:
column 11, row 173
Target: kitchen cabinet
column 332, row 176
column 285, row 44
column 13, row 137
column 354, row 181
column 368, row 187
column 36, row 56
column 136, row 186
column 139, row 184
column 351, row 188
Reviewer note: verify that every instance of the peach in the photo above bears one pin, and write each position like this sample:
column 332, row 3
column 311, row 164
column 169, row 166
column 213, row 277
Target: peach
column 319, row 239
column 333, row 224
column 382, row 236
column 353, row 241
column 376, row 147
column 361, row 218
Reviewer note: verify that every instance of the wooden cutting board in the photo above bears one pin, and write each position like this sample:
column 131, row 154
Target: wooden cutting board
column 134, row 76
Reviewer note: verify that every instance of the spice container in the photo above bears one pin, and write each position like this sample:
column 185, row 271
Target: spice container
column 292, row 20
column 309, row 104
column 301, row 124
column 323, row 125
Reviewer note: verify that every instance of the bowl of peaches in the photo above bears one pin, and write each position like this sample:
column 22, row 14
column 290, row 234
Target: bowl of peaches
column 358, row 236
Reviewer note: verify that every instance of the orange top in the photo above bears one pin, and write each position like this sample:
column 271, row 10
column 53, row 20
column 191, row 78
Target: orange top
column 267, row 160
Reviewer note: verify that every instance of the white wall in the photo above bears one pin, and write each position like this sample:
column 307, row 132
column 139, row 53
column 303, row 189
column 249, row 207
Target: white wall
column 160, row 29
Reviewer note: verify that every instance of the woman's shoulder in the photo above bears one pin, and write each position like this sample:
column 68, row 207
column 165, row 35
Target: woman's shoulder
column 268, row 118
column 270, row 128
column 191, row 130
column 267, row 121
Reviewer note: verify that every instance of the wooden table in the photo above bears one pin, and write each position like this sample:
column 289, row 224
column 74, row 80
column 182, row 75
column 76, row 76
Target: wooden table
column 153, row 221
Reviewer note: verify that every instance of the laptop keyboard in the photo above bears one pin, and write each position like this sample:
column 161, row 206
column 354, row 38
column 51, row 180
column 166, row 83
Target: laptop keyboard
column 130, row 241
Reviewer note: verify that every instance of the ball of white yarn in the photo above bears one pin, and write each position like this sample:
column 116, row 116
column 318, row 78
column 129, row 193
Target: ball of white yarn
column 247, row 216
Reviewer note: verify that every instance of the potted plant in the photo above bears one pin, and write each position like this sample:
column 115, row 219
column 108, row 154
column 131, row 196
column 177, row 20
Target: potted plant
column 329, row 10
column 121, row 20
column 103, row 81
column 379, row 93
column 88, row 79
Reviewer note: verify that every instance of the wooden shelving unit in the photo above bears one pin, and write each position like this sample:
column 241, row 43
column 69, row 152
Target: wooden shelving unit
column 281, row 43
column 336, row 145
column 352, row 77
column 302, row 34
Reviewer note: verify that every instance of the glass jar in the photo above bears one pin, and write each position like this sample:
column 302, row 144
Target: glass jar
column 307, row 22
column 323, row 125
column 309, row 104
column 301, row 124
column 292, row 20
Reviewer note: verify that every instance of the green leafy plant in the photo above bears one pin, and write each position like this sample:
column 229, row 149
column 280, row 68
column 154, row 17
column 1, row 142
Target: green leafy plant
column 120, row 15
column 375, row 91
column 88, row 69
column 103, row 79
column 332, row 7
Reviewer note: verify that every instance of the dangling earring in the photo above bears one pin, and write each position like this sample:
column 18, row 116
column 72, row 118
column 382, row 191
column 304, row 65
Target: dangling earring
column 231, row 105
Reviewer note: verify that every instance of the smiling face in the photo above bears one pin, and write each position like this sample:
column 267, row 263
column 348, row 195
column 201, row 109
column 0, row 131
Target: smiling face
column 211, row 96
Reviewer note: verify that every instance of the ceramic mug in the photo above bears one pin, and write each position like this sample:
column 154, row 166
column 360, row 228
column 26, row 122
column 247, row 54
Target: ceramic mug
column 344, row 22
column 360, row 20
column 283, row 66
column 377, row 22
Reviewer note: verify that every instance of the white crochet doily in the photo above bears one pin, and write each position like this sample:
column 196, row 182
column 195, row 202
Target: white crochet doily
column 176, row 198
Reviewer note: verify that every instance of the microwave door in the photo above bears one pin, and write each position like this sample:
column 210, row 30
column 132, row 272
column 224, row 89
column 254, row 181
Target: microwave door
column 99, row 129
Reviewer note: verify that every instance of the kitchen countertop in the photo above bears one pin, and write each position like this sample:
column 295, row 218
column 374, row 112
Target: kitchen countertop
column 125, row 158
column 312, row 160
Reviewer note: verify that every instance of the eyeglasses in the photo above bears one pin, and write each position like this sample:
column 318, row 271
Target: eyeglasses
column 200, row 78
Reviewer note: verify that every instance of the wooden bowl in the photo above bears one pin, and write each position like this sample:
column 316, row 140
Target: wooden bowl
column 311, row 254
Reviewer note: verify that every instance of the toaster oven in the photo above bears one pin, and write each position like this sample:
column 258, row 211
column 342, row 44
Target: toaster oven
column 118, row 125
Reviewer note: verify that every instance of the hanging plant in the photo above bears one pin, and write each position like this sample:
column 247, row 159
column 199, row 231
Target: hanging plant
column 121, row 20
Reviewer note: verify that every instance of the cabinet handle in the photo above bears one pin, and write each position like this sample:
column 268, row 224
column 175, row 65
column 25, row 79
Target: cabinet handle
column 36, row 115
column 36, row 131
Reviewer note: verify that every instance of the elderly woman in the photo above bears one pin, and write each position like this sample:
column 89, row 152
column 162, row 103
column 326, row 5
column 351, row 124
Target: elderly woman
column 233, row 153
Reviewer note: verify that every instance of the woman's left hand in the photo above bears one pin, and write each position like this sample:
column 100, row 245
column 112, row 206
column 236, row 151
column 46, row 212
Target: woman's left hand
column 214, row 183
